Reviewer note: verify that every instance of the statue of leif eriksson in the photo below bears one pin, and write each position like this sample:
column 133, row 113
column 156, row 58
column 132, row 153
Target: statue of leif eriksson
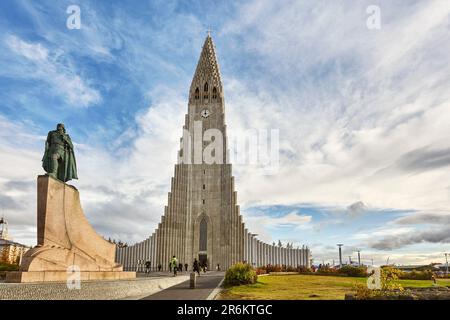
column 59, row 158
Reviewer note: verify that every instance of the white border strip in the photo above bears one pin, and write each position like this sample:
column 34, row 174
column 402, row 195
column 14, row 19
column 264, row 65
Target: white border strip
column 216, row 291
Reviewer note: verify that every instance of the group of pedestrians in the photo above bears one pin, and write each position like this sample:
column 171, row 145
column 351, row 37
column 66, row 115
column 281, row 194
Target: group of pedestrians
column 175, row 266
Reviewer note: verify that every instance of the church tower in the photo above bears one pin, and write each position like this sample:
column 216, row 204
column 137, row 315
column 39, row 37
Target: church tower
column 202, row 219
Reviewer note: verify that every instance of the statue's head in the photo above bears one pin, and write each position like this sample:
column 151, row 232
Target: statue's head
column 60, row 127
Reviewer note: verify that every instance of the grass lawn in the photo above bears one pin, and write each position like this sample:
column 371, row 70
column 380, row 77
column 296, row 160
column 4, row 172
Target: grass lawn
column 306, row 287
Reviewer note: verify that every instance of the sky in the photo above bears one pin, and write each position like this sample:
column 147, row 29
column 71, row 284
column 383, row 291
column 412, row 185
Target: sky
column 363, row 115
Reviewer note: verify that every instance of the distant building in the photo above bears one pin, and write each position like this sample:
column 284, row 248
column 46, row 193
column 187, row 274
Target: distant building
column 3, row 229
column 10, row 251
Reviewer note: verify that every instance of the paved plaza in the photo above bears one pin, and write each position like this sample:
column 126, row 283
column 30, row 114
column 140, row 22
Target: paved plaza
column 206, row 284
column 91, row 290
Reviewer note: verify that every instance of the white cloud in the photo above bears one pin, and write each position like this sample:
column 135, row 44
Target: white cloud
column 363, row 115
column 28, row 50
column 292, row 219
column 419, row 256
column 338, row 133
column 55, row 69
column 122, row 197
column 353, row 107
column 263, row 224
column 382, row 232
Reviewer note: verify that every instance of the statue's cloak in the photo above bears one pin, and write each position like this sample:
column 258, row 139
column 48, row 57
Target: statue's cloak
column 70, row 166
column 68, row 170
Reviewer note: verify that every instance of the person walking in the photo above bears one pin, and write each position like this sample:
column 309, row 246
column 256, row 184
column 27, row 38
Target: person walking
column 180, row 267
column 159, row 267
column 196, row 267
column 174, row 265
column 170, row 266
column 147, row 266
column 186, row 267
column 433, row 277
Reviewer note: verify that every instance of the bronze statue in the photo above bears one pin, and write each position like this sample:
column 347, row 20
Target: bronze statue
column 59, row 158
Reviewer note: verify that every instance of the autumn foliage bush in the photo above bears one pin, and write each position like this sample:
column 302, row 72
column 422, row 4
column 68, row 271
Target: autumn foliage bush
column 240, row 273
column 353, row 271
column 260, row 270
column 283, row 268
column 273, row 268
column 327, row 270
column 303, row 269
column 416, row 275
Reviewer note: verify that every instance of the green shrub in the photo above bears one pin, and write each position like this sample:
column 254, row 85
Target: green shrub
column 273, row 268
column 389, row 277
column 283, row 268
column 303, row 269
column 416, row 275
column 290, row 269
column 364, row 293
column 389, row 286
column 352, row 271
column 8, row 267
column 327, row 270
column 240, row 273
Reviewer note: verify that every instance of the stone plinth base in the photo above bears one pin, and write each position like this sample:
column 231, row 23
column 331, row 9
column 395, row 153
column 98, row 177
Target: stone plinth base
column 66, row 240
column 44, row 276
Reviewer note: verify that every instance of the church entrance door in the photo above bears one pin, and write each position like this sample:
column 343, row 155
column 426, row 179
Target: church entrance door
column 202, row 259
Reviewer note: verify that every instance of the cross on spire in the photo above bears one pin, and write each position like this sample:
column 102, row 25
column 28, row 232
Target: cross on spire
column 209, row 30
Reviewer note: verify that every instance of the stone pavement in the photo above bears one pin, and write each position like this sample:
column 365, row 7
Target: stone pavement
column 160, row 274
column 91, row 290
column 206, row 284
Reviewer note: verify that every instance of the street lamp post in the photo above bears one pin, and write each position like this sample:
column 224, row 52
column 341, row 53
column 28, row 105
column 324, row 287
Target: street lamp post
column 446, row 264
column 340, row 254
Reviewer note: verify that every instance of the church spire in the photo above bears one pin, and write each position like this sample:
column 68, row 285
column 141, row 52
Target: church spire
column 207, row 74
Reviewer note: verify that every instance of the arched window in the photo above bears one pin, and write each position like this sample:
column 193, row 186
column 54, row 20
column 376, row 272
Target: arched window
column 214, row 93
column 205, row 88
column 203, row 235
column 197, row 94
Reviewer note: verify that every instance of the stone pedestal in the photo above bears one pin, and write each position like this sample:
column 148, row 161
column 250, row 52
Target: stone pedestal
column 66, row 239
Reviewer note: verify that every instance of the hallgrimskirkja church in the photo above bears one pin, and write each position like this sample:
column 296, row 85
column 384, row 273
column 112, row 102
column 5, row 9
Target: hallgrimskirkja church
column 202, row 219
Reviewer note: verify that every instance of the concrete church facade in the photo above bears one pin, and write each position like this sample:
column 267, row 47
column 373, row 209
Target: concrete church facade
column 202, row 219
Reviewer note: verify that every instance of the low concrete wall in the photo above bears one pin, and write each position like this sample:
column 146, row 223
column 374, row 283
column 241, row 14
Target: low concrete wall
column 90, row 290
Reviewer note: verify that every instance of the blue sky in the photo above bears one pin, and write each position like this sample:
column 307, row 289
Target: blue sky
column 363, row 115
